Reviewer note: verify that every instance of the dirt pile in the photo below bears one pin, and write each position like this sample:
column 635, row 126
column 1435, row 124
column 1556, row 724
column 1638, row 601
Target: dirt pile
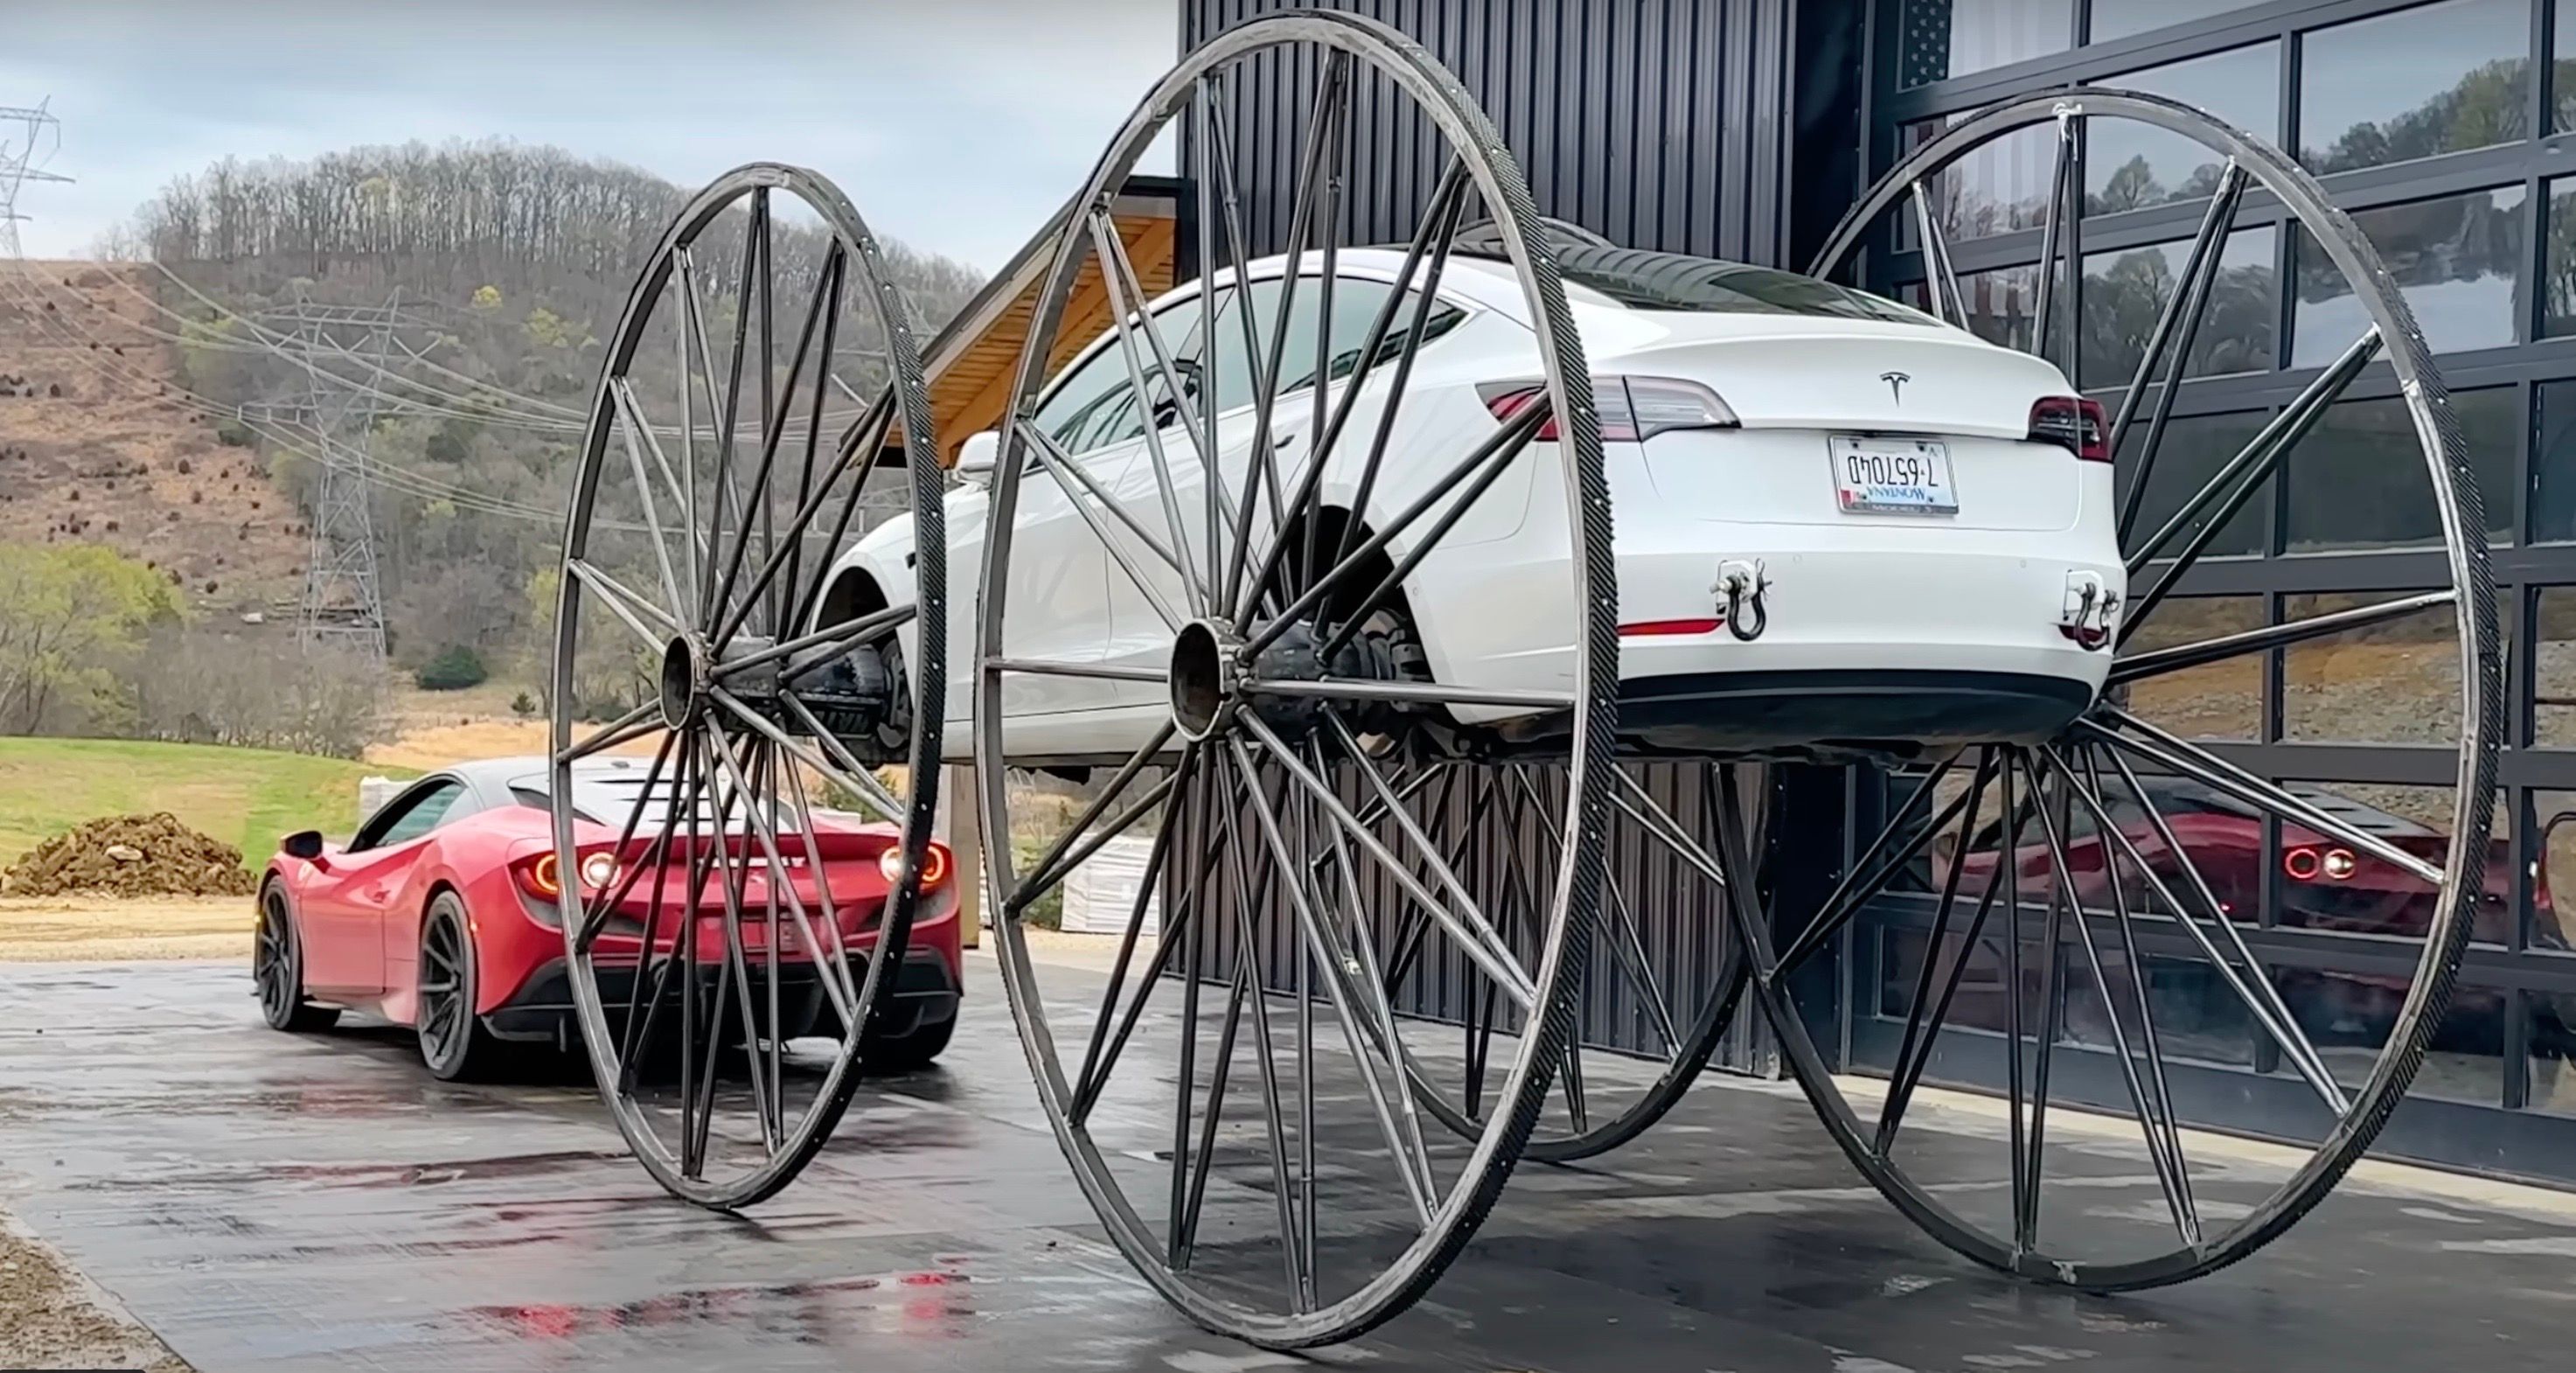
column 131, row 855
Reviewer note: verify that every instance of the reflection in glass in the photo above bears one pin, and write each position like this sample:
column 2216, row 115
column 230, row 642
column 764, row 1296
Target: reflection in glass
column 2003, row 308
column 2558, row 282
column 2433, row 79
column 2562, row 75
column 2125, row 292
column 2553, row 464
column 2553, row 713
column 2358, row 479
column 1996, row 189
column 2218, row 701
column 2128, row 165
column 2193, row 451
column 2457, row 259
column 2120, row 18
column 2392, row 683
column 1946, row 38
column 2553, row 917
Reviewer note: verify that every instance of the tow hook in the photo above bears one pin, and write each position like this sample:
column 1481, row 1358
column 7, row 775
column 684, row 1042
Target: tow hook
column 2090, row 611
column 1740, row 590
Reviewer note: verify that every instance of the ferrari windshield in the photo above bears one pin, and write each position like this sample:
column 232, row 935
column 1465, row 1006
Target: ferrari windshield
column 1699, row 285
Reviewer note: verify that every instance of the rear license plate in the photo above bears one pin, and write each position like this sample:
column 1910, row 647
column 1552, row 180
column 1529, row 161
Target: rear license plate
column 1892, row 476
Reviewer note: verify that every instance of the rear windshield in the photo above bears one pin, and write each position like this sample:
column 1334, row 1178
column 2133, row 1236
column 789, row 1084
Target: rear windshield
column 1699, row 285
column 610, row 800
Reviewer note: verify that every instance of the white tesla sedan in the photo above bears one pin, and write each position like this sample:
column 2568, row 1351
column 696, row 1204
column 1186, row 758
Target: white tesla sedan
column 1841, row 525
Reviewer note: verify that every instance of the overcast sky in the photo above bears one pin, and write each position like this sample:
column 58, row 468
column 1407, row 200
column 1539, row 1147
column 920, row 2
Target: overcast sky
column 956, row 126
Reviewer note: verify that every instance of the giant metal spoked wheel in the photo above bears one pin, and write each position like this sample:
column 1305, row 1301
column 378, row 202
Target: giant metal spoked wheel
column 739, row 899
column 1291, row 667
column 2075, row 899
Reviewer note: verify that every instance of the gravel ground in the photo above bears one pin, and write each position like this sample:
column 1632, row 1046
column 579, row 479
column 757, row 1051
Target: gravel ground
column 55, row 929
column 51, row 1317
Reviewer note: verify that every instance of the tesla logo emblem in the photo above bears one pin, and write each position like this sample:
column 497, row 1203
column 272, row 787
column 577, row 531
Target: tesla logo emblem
column 1895, row 384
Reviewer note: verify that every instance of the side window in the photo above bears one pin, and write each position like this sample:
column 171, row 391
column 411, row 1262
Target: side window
column 1094, row 406
column 1356, row 302
column 415, row 815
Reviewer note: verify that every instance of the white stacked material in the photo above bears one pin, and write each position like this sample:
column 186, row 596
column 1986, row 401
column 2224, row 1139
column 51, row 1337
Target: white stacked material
column 374, row 792
column 1100, row 895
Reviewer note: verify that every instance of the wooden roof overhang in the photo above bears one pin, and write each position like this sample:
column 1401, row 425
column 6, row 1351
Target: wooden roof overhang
column 970, row 364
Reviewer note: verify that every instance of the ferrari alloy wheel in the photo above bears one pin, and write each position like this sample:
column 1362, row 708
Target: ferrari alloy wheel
column 277, row 969
column 453, row 1040
column 2077, row 916
column 761, row 405
column 1291, row 802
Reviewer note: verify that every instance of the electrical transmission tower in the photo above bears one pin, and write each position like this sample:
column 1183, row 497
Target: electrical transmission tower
column 343, row 597
column 21, row 160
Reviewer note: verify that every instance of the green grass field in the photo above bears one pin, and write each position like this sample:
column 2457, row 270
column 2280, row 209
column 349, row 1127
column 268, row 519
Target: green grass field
column 245, row 797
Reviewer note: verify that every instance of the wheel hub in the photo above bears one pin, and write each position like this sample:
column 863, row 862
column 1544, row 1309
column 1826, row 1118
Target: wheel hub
column 1204, row 678
column 684, row 680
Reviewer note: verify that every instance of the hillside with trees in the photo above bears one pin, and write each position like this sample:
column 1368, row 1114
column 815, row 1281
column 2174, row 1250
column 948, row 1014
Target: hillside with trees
column 514, row 264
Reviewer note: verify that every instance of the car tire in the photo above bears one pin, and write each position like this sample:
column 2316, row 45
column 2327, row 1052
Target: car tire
column 453, row 1041
column 277, row 968
column 912, row 1052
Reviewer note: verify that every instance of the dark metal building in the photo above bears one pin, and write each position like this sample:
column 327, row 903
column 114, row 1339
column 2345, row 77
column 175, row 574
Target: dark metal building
column 1744, row 128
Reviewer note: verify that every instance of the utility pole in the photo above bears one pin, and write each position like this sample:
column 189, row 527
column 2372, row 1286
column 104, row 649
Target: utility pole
column 343, row 596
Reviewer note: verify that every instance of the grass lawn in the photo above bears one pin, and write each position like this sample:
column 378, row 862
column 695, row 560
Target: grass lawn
column 245, row 797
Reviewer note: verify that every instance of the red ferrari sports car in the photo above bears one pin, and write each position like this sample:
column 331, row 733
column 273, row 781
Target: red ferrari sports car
column 441, row 913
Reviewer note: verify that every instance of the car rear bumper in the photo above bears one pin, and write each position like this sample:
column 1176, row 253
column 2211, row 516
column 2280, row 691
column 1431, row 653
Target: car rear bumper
column 925, row 993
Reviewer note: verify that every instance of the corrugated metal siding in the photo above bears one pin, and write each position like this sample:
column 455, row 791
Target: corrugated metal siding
column 1657, row 123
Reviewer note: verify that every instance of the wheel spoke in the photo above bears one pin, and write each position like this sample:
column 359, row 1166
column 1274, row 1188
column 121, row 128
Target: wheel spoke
column 1078, row 483
column 845, row 998
column 1854, row 890
column 2183, row 657
column 1508, row 444
column 834, row 762
column 2246, row 473
column 2260, row 998
column 1128, row 319
column 626, row 728
column 1473, row 932
column 1040, row 667
column 2158, row 1083
column 823, row 312
column 2172, row 753
column 1469, row 477
column 2177, row 1190
column 1914, row 1052
column 1939, row 278
column 1172, row 619
column 2060, row 182
column 1053, row 863
column 1156, row 859
column 2177, row 326
column 626, row 604
column 1295, row 1254
column 1419, row 693
column 1320, row 121
column 830, row 642
column 594, row 917
column 636, row 433
column 1325, row 948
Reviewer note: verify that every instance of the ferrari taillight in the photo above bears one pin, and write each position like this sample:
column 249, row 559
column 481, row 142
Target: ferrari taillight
column 934, row 865
column 541, row 876
column 2074, row 424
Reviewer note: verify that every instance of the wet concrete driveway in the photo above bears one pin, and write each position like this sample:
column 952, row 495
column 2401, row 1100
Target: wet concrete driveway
column 269, row 1203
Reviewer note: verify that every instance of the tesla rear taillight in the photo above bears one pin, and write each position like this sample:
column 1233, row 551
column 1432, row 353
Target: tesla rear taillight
column 934, row 865
column 1632, row 409
column 2072, row 423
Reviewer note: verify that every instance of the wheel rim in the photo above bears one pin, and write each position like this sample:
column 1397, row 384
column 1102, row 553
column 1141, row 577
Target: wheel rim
column 446, row 987
column 273, row 959
column 2115, row 781
column 1258, row 770
column 710, row 554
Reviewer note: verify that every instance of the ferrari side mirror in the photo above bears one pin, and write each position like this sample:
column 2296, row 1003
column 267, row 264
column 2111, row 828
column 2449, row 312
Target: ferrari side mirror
column 304, row 844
